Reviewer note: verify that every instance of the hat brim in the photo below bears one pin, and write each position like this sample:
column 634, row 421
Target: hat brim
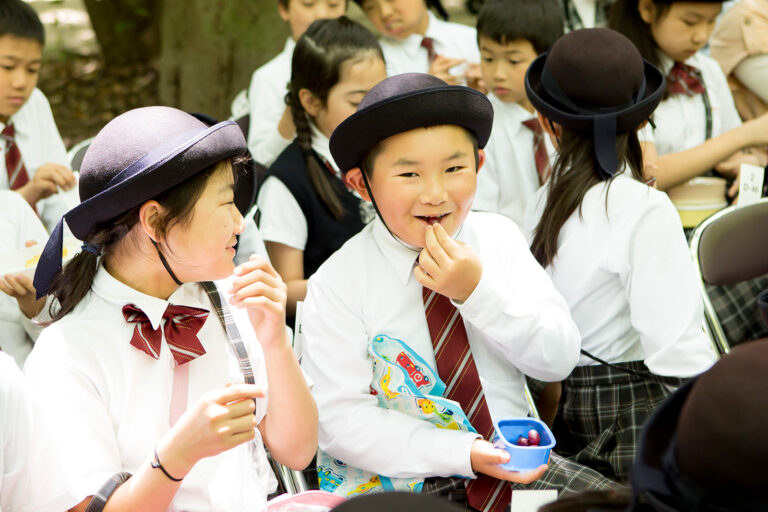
column 627, row 119
column 431, row 106
column 156, row 172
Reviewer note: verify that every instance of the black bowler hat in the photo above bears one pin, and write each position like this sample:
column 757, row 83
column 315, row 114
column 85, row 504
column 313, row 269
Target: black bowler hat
column 135, row 157
column 594, row 81
column 399, row 501
column 705, row 447
column 405, row 102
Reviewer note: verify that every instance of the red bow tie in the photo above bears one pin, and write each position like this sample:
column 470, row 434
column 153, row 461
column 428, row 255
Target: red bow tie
column 182, row 324
column 684, row 79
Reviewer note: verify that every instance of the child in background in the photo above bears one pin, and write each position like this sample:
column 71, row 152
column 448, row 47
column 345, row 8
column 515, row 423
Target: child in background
column 739, row 44
column 510, row 34
column 429, row 294
column 33, row 155
column 306, row 211
column 271, row 126
column 585, row 13
column 613, row 246
column 414, row 40
column 32, row 471
column 19, row 228
column 697, row 126
column 182, row 424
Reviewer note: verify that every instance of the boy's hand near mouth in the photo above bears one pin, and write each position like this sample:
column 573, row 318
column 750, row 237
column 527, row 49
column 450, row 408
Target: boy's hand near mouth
column 448, row 266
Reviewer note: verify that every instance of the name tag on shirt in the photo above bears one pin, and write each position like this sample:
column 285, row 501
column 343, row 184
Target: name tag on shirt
column 750, row 184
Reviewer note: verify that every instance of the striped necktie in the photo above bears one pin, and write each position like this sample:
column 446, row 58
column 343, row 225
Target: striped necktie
column 182, row 324
column 539, row 150
column 17, row 173
column 429, row 44
column 456, row 367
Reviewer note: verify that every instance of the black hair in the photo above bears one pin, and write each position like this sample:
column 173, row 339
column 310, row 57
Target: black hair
column 317, row 64
column 625, row 18
column 19, row 19
column 538, row 21
column 576, row 170
column 599, row 501
column 74, row 281
column 368, row 160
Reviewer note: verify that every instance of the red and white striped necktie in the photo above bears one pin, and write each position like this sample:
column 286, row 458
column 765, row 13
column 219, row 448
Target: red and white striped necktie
column 539, row 150
column 456, row 367
column 14, row 165
column 182, row 323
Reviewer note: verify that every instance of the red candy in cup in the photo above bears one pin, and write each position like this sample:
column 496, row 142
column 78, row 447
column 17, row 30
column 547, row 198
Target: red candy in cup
column 523, row 441
column 534, row 438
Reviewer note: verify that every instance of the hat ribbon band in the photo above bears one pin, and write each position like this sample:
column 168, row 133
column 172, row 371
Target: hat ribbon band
column 552, row 87
column 50, row 261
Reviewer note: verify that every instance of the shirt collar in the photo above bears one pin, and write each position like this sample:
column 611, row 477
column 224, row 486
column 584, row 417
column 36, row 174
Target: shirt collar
column 511, row 114
column 412, row 44
column 290, row 44
column 107, row 287
column 321, row 146
column 665, row 63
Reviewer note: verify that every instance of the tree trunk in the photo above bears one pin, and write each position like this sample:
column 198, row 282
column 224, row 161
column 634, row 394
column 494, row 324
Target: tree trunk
column 127, row 30
column 210, row 48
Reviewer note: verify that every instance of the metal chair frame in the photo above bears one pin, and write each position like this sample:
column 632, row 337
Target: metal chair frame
column 75, row 150
column 712, row 324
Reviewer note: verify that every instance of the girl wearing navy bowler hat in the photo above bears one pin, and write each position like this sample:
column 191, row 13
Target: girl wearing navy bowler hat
column 614, row 247
column 156, row 376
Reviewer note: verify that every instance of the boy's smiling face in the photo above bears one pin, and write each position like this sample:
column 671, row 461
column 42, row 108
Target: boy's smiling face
column 421, row 177
column 20, row 61
column 504, row 66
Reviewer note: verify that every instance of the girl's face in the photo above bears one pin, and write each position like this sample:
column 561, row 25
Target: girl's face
column 357, row 77
column 300, row 14
column 202, row 248
column 684, row 29
column 397, row 18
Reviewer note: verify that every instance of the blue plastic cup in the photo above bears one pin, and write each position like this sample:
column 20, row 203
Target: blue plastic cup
column 523, row 458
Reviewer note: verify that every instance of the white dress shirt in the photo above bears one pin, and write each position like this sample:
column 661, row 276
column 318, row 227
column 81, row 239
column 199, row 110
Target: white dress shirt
column 282, row 219
column 39, row 142
column 450, row 40
column 509, row 177
column 33, row 474
column 681, row 120
column 516, row 323
column 18, row 225
column 111, row 401
column 628, row 278
column 266, row 95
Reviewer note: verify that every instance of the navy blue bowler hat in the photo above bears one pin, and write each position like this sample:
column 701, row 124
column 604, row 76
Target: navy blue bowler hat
column 404, row 102
column 594, row 81
column 135, row 157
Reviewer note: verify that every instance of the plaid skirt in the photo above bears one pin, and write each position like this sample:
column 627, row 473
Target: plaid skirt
column 601, row 413
column 737, row 309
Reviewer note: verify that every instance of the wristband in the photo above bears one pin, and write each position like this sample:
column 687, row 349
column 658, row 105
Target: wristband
column 156, row 464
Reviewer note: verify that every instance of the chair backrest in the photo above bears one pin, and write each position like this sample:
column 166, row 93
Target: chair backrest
column 732, row 245
column 727, row 248
column 76, row 154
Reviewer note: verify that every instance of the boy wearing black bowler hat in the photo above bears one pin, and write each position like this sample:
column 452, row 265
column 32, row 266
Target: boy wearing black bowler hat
column 430, row 316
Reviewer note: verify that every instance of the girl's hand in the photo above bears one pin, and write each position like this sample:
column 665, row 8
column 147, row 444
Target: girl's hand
column 447, row 266
column 220, row 420
column 441, row 66
column 486, row 459
column 259, row 288
column 20, row 287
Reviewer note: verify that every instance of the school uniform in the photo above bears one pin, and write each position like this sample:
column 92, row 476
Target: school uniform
column 624, row 269
column 509, row 177
column 39, row 142
column 292, row 213
column 32, row 472
column 112, row 401
column 18, row 225
column 449, row 40
column 266, row 95
column 516, row 324
column 681, row 120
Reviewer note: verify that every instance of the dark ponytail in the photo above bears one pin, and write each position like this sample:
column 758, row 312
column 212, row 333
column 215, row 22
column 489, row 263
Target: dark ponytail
column 74, row 281
column 574, row 173
column 625, row 18
column 316, row 66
